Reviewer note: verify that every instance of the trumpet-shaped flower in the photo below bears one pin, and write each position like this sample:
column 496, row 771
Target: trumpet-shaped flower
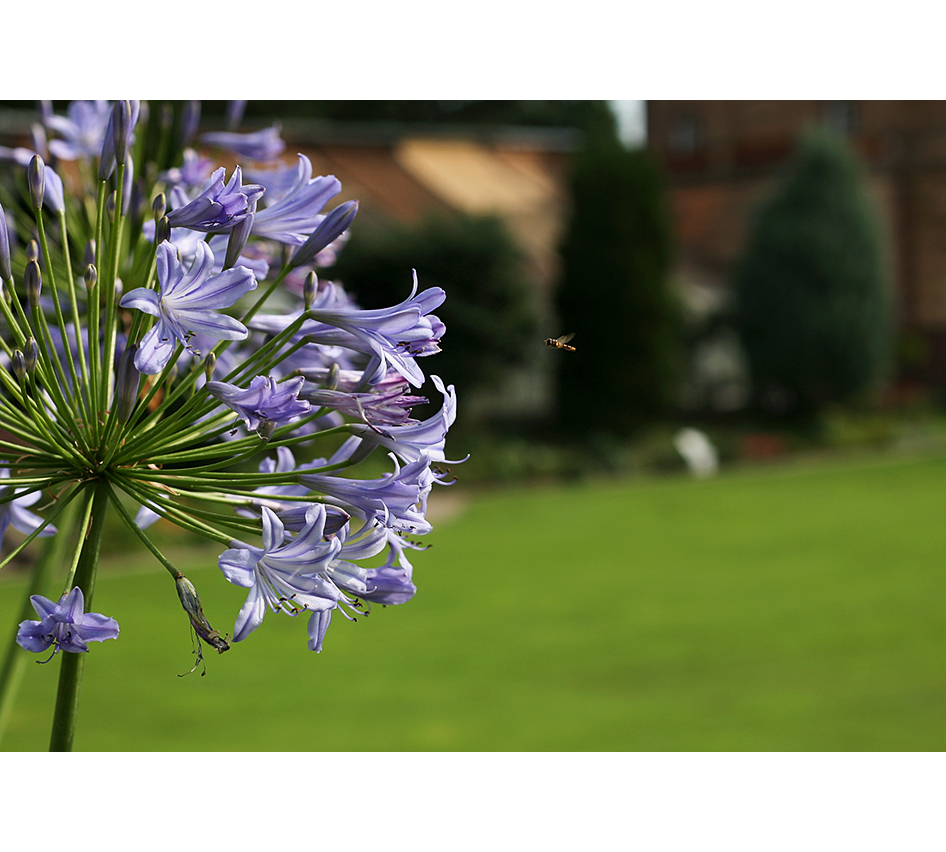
column 294, row 216
column 411, row 441
column 391, row 407
column 218, row 206
column 287, row 576
column 187, row 305
column 263, row 401
column 395, row 335
column 398, row 500
column 64, row 624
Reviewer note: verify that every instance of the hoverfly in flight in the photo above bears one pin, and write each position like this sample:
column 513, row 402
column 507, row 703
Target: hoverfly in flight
column 559, row 342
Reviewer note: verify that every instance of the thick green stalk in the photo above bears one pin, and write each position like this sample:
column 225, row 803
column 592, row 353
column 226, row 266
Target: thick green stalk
column 70, row 672
column 16, row 658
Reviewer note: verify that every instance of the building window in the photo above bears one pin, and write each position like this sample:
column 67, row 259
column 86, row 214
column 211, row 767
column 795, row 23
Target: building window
column 841, row 116
column 684, row 135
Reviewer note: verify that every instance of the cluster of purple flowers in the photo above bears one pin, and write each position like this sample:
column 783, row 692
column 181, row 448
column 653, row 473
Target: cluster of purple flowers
column 188, row 373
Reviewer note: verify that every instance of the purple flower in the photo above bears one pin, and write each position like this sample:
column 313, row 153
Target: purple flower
column 398, row 334
column 218, row 207
column 82, row 128
column 187, row 305
column 288, row 576
column 14, row 512
column 293, row 217
column 391, row 407
column 260, row 145
column 64, row 624
column 263, row 400
column 414, row 440
column 398, row 500
column 388, row 586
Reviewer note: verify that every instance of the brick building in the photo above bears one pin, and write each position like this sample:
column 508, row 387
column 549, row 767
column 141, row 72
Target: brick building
column 722, row 157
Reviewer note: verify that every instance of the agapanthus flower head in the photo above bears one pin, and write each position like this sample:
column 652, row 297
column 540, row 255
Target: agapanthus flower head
column 145, row 373
column 64, row 625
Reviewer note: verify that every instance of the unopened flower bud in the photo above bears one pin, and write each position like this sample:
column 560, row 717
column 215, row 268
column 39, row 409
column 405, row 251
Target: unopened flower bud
column 6, row 271
column 33, row 279
column 121, row 118
column 334, row 373
column 30, row 354
column 162, row 231
column 36, row 179
column 32, row 250
column 159, row 206
column 239, row 234
column 309, row 289
column 127, row 379
column 210, row 363
column 329, row 229
column 19, row 366
column 91, row 277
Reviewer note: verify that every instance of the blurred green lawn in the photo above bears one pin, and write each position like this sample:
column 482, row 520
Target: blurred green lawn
column 788, row 608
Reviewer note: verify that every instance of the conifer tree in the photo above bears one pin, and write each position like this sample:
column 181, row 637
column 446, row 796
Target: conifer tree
column 812, row 290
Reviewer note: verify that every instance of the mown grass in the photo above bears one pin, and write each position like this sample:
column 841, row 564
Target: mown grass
column 778, row 609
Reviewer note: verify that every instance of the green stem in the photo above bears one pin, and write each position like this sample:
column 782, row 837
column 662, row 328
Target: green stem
column 16, row 658
column 70, row 672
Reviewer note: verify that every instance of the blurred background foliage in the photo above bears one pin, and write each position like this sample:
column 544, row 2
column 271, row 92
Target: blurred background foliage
column 813, row 297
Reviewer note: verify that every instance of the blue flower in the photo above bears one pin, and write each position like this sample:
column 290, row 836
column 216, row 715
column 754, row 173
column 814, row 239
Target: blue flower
column 218, row 206
column 14, row 512
column 398, row 500
column 263, row 400
column 389, row 585
column 395, row 335
column 413, row 440
column 187, row 305
column 64, row 624
column 389, row 407
column 294, row 216
column 82, row 129
column 285, row 575
column 261, row 145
